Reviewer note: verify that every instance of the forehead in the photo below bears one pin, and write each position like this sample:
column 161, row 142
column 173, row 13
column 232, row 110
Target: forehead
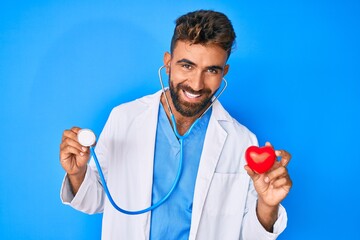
column 202, row 55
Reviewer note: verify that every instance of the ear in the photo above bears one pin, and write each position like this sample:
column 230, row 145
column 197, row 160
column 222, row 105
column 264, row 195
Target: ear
column 167, row 60
column 226, row 69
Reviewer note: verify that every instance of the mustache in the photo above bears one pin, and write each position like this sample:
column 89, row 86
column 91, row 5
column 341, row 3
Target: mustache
column 187, row 88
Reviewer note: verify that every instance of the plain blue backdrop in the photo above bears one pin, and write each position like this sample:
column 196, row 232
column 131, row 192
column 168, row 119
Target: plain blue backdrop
column 294, row 81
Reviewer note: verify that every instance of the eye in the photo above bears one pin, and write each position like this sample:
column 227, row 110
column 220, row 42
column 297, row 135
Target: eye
column 213, row 70
column 186, row 66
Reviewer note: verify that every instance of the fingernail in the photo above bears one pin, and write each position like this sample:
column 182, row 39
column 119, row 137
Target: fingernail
column 267, row 179
column 277, row 152
column 84, row 149
column 81, row 154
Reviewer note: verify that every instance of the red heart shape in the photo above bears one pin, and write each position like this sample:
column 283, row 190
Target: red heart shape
column 260, row 159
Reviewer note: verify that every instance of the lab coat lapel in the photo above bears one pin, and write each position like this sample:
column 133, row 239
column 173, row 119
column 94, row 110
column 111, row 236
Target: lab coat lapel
column 146, row 124
column 213, row 145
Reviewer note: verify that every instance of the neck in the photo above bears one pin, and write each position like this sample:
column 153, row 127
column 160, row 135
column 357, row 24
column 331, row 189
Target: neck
column 183, row 123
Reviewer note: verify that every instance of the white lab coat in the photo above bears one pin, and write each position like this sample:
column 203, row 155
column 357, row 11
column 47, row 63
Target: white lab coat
column 224, row 204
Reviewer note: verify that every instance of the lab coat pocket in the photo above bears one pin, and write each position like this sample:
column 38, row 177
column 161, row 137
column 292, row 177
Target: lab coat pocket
column 227, row 194
column 224, row 207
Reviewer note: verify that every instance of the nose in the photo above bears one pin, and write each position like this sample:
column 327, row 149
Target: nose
column 197, row 81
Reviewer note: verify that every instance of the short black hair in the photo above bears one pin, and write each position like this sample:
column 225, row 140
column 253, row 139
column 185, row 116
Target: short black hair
column 204, row 27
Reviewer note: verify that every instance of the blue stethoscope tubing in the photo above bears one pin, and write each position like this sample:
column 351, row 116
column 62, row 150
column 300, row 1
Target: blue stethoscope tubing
column 180, row 167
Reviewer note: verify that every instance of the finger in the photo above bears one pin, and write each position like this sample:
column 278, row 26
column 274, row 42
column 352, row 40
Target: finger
column 70, row 144
column 253, row 175
column 285, row 157
column 277, row 173
column 268, row 144
column 70, row 147
column 71, row 133
column 282, row 182
column 68, row 150
column 81, row 158
column 75, row 129
column 74, row 143
column 285, row 184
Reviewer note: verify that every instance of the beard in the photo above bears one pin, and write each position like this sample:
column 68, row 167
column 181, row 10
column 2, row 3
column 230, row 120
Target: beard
column 188, row 109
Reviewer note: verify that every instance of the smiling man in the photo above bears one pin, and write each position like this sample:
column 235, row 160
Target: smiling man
column 195, row 73
column 218, row 196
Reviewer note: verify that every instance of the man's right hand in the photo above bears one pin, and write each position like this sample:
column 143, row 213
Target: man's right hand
column 73, row 158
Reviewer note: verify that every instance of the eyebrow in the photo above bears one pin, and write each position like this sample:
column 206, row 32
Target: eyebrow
column 216, row 67
column 184, row 60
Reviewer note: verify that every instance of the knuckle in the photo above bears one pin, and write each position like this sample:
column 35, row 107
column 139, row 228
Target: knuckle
column 75, row 129
column 68, row 148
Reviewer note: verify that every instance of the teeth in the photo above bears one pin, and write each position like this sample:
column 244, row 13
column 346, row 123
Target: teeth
column 190, row 95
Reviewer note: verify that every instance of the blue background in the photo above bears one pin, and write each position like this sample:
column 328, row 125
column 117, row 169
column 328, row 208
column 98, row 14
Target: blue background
column 293, row 80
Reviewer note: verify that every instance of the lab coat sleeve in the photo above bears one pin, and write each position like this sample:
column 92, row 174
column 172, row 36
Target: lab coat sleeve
column 252, row 228
column 90, row 196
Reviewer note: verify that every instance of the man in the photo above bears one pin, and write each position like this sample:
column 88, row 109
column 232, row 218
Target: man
column 218, row 196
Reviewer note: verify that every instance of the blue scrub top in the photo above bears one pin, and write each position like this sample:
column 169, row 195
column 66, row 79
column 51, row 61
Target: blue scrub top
column 172, row 219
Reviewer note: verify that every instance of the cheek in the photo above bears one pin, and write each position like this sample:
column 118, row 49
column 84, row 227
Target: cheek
column 177, row 77
column 214, row 84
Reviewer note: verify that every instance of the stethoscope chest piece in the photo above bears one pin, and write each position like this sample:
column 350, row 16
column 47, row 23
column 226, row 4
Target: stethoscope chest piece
column 86, row 137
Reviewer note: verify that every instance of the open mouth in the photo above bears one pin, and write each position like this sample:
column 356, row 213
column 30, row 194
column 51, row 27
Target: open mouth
column 191, row 95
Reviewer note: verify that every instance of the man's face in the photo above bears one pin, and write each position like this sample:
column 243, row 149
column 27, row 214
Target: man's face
column 195, row 73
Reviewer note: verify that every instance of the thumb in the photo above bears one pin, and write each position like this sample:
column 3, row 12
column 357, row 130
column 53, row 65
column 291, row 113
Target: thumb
column 253, row 175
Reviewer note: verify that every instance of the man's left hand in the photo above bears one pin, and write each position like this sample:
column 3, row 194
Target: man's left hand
column 272, row 187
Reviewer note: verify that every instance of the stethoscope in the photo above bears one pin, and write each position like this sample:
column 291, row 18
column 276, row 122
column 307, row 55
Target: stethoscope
column 87, row 138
